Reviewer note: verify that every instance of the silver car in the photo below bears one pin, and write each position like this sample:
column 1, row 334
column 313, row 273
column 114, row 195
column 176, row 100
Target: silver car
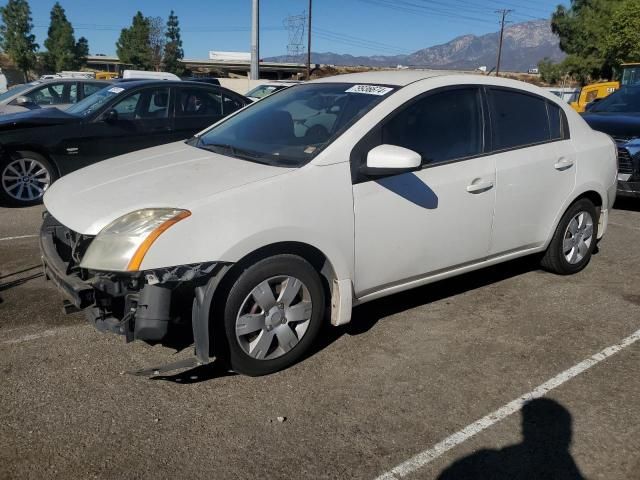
column 60, row 93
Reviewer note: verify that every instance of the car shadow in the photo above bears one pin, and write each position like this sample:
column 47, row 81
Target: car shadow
column 4, row 204
column 543, row 452
column 364, row 318
column 202, row 373
column 629, row 204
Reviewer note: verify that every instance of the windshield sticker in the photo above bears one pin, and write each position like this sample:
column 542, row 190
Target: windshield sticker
column 369, row 89
column 116, row 89
column 310, row 149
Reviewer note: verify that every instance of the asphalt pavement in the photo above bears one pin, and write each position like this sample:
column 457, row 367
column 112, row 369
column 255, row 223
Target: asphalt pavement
column 410, row 371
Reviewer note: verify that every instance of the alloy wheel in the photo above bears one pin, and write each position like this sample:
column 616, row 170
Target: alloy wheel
column 25, row 179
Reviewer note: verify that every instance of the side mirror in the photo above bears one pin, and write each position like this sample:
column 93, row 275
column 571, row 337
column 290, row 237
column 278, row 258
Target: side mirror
column 391, row 160
column 111, row 116
column 22, row 100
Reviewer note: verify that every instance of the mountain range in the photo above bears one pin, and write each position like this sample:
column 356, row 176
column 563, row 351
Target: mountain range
column 525, row 44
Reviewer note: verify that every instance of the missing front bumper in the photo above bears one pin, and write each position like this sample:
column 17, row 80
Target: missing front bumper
column 140, row 306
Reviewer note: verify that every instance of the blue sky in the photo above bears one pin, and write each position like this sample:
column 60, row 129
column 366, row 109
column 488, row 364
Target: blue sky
column 358, row 27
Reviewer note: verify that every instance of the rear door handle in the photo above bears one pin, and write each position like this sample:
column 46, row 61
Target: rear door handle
column 478, row 186
column 563, row 164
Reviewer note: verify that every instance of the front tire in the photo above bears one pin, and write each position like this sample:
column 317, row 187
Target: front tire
column 574, row 240
column 24, row 178
column 272, row 315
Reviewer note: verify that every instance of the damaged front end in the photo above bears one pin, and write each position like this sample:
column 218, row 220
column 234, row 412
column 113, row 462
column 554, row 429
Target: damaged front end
column 143, row 305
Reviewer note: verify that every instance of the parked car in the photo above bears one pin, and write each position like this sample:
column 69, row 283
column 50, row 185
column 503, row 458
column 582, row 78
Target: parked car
column 267, row 89
column 41, row 145
column 263, row 230
column 60, row 93
column 619, row 116
column 148, row 75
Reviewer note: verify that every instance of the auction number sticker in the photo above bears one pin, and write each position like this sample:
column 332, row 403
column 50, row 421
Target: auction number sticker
column 369, row 89
column 116, row 89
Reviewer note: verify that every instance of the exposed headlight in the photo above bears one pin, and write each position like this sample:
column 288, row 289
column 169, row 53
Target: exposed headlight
column 121, row 245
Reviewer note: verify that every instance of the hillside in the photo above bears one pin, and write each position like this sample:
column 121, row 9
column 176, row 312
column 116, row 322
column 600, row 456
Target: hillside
column 525, row 44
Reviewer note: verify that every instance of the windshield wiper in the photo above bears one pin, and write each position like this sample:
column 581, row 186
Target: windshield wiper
column 235, row 152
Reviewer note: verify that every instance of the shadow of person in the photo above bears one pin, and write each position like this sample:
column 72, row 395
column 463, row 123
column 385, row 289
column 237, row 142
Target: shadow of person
column 542, row 454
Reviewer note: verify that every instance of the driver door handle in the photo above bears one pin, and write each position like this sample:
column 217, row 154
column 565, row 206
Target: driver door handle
column 479, row 186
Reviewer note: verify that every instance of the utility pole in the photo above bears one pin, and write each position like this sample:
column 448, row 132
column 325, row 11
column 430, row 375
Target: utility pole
column 309, row 45
column 504, row 13
column 254, row 74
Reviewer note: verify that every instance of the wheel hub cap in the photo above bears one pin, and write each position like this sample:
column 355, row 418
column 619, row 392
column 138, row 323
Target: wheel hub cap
column 578, row 238
column 274, row 317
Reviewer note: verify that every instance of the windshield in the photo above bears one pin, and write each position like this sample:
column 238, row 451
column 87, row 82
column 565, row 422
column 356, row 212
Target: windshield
column 625, row 100
column 15, row 90
column 631, row 76
column 292, row 127
column 93, row 102
column 263, row 91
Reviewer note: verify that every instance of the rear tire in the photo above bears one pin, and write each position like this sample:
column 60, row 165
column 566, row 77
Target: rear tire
column 272, row 315
column 24, row 178
column 574, row 240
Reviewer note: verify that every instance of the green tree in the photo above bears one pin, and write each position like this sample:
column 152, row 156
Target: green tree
column 81, row 52
column 173, row 47
column 157, row 40
column 16, row 38
column 583, row 29
column 550, row 72
column 133, row 47
column 623, row 38
column 63, row 53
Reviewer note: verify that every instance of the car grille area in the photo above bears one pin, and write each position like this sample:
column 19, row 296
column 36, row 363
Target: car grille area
column 70, row 246
column 625, row 162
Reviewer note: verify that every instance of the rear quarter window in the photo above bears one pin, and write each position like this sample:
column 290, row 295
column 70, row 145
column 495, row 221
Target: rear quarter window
column 518, row 119
column 558, row 125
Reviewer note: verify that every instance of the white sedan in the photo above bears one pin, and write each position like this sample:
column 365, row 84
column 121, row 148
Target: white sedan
column 270, row 222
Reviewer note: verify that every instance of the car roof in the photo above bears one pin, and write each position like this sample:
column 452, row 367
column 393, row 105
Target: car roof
column 128, row 84
column 138, row 82
column 398, row 78
column 68, row 79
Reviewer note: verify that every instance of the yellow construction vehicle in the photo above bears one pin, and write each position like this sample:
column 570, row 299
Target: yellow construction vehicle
column 597, row 91
column 106, row 75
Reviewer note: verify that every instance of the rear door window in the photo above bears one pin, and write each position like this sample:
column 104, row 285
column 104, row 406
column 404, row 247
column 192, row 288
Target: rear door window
column 230, row 104
column 518, row 119
column 198, row 102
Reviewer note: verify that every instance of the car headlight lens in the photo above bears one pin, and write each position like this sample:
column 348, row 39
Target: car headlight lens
column 122, row 245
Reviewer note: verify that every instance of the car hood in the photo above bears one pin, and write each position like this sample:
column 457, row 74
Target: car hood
column 38, row 117
column 620, row 126
column 9, row 109
column 175, row 175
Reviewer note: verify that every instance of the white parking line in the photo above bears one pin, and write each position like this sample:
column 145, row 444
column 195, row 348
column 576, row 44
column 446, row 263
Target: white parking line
column 16, row 238
column 28, row 338
column 428, row 456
